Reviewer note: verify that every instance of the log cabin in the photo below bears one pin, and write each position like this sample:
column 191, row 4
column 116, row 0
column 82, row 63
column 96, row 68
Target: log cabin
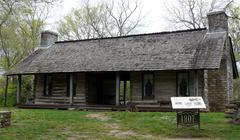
column 151, row 67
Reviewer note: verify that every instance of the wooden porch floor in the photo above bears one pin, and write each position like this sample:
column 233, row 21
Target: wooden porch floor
column 95, row 107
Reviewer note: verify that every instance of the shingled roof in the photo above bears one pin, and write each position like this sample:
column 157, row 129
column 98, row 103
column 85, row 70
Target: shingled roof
column 179, row 50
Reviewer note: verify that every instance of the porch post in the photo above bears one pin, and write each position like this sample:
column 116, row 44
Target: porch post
column 19, row 88
column 124, row 91
column 34, row 87
column 5, row 92
column 205, row 92
column 71, row 89
column 196, row 82
column 117, row 88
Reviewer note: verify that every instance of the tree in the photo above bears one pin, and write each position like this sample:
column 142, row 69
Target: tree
column 234, row 27
column 6, row 8
column 125, row 17
column 83, row 23
column 190, row 14
column 105, row 19
column 21, row 24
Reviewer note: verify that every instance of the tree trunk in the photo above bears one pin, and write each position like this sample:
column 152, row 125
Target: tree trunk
column 6, row 91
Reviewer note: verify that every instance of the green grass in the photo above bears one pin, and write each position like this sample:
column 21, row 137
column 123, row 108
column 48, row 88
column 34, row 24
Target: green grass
column 60, row 124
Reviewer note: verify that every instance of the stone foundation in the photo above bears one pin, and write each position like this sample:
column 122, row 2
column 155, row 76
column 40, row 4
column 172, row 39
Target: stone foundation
column 5, row 118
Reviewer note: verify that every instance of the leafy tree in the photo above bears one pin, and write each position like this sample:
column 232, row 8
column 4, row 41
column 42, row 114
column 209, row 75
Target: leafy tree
column 21, row 24
column 234, row 27
column 83, row 23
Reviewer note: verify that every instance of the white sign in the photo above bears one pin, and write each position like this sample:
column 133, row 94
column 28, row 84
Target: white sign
column 187, row 103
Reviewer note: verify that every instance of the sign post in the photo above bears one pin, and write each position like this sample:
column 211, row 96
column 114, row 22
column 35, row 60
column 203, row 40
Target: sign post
column 187, row 108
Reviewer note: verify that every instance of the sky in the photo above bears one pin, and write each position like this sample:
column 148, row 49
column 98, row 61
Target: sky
column 154, row 11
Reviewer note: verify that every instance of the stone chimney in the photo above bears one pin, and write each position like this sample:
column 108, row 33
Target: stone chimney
column 48, row 38
column 217, row 21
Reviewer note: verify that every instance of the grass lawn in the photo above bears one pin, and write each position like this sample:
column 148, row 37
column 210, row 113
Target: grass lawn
column 74, row 125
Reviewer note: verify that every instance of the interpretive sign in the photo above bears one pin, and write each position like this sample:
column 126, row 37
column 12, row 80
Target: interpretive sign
column 187, row 108
column 187, row 103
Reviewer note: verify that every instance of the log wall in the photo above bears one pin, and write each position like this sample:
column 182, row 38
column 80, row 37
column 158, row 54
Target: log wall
column 165, row 85
column 60, row 87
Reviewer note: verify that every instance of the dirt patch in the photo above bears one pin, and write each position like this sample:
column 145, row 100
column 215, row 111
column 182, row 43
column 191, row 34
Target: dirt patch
column 116, row 131
column 188, row 139
column 71, row 135
column 78, row 136
column 99, row 116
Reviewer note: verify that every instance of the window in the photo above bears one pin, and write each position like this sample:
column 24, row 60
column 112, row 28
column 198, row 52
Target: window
column 148, row 86
column 183, row 84
column 47, row 85
column 74, row 85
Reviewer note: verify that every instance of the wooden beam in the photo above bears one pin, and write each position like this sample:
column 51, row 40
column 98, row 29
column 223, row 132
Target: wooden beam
column 19, row 89
column 117, row 88
column 196, row 82
column 71, row 89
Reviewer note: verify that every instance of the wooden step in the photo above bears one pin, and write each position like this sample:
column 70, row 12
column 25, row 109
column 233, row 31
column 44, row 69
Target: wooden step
column 145, row 102
column 231, row 106
column 229, row 116
column 155, row 109
column 147, row 105
column 229, row 113
column 65, row 100
column 60, row 97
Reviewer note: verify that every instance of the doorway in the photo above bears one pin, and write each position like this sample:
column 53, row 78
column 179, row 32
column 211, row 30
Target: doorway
column 101, row 88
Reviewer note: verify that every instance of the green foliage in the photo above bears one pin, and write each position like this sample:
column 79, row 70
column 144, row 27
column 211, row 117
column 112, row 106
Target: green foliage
column 236, row 89
column 128, row 92
column 12, row 90
column 237, row 56
column 11, row 95
column 83, row 23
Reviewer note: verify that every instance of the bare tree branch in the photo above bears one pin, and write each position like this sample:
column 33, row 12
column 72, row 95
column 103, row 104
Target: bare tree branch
column 109, row 18
column 188, row 13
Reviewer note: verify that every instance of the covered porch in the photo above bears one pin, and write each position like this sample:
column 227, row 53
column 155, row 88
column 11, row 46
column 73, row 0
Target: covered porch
column 77, row 89
column 112, row 90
